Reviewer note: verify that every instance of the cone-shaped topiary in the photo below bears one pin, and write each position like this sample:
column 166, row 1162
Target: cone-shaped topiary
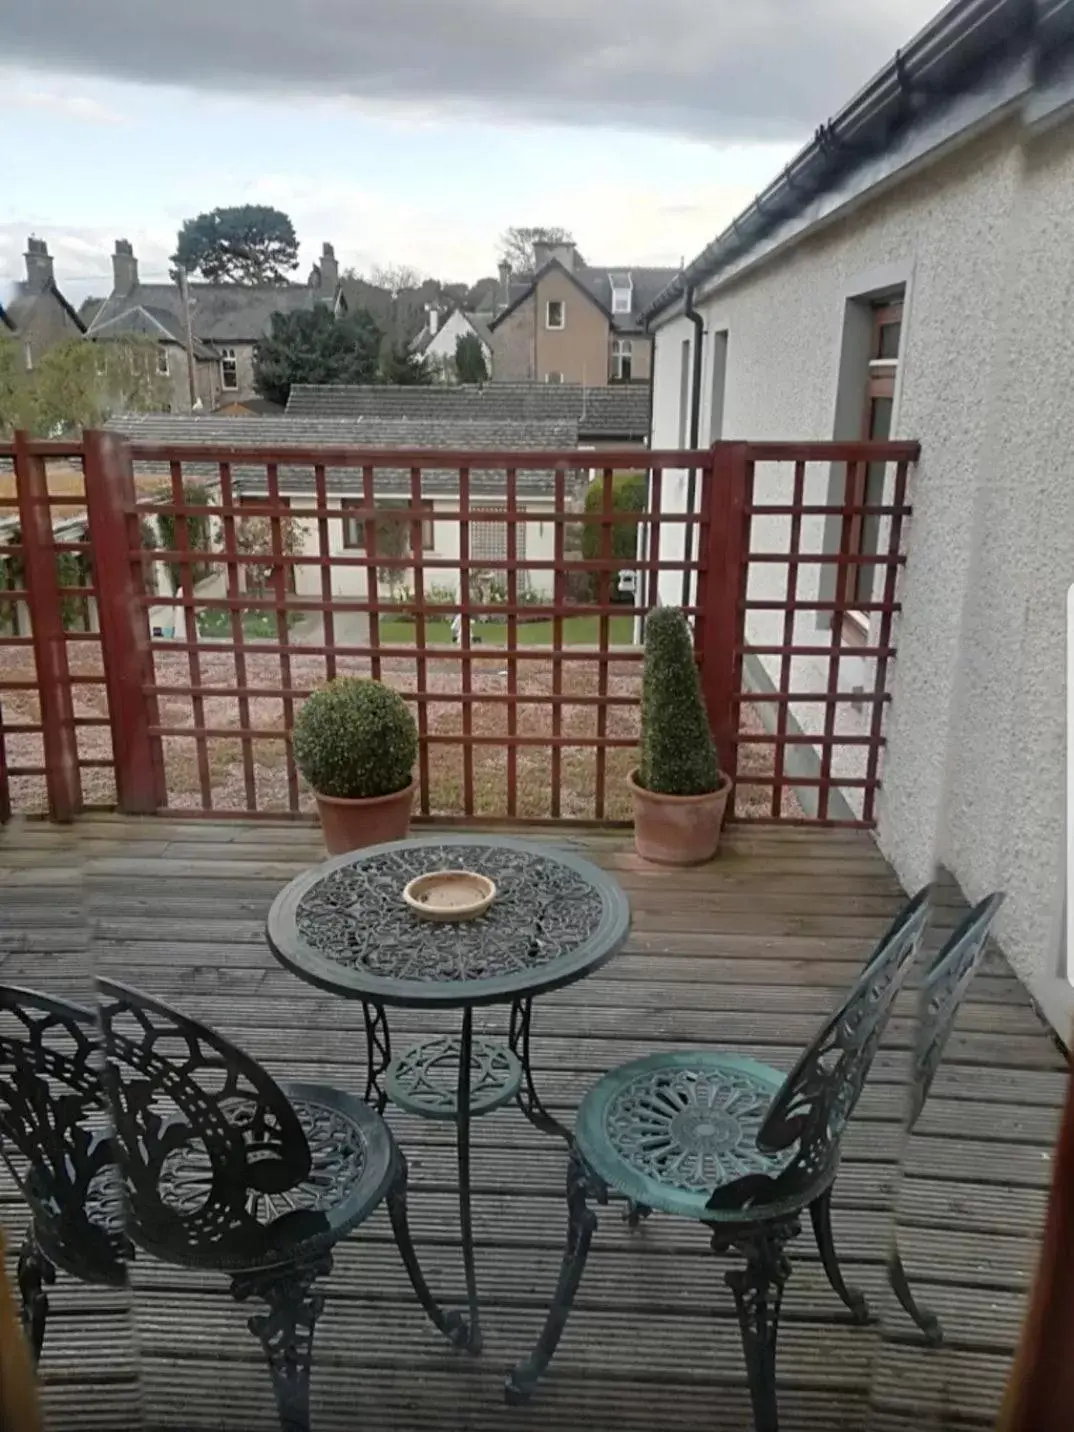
column 355, row 739
column 678, row 756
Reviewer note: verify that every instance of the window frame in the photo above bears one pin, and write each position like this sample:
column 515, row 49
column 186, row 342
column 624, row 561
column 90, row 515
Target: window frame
column 554, row 377
column 356, row 529
column 229, row 356
column 561, row 303
column 623, row 299
column 164, row 369
column 622, row 355
column 880, row 382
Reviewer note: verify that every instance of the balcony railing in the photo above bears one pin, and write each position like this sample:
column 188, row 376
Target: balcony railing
column 216, row 587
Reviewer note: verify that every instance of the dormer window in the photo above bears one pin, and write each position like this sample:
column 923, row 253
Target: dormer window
column 622, row 293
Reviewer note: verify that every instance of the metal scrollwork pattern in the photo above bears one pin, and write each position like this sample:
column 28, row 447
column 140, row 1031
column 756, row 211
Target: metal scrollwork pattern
column 693, row 1129
column 942, row 993
column 355, row 915
column 209, row 1145
column 810, row 1112
column 424, row 1078
column 54, row 1133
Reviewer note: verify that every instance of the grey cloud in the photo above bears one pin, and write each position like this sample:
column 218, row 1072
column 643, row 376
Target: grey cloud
column 712, row 69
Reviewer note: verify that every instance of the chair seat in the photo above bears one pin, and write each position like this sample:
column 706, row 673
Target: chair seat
column 669, row 1129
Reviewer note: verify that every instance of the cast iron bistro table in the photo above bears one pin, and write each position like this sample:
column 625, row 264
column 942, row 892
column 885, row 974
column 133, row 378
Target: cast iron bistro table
column 344, row 927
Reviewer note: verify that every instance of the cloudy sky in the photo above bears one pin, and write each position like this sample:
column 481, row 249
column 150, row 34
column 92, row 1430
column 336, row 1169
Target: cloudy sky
column 414, row 131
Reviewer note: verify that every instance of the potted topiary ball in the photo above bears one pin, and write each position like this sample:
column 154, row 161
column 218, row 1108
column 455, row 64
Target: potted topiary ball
column 355, row 742
column 680, row 793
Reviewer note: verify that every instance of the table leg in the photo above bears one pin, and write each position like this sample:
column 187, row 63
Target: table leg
column 378, row 1054
column 528, row 1100
column 462, row 1130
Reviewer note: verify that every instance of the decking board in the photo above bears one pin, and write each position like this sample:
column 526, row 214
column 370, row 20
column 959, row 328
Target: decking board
column 748, row 954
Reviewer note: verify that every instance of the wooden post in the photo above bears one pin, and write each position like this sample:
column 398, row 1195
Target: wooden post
column 49, row 641
column 128, row 664
column 722, row 622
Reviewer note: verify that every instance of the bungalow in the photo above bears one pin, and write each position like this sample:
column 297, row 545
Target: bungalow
column 605, row 417
column 910, row 274
column 535, row 539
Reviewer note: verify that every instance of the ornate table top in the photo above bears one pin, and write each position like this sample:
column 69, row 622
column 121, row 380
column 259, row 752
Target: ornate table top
column 344, row 925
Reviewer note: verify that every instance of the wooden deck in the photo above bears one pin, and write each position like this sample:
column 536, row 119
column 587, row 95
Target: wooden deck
column 748, row 954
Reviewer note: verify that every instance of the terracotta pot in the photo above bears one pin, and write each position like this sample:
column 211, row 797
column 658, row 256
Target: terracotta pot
column 352, row 824
column 678, row 830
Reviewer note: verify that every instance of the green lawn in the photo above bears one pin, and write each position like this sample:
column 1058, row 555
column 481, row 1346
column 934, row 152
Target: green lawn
column 577, row 631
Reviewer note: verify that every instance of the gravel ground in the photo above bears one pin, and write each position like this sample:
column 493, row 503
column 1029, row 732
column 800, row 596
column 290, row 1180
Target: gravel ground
column 224, row 755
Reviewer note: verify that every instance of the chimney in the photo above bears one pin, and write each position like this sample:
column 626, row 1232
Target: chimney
column 38, row 266
column 566, row 254
column 505, row 282
column 329, row 267
column 124, row 269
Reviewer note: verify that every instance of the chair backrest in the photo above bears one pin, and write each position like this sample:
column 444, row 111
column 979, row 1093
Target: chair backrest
column 821, row 1092
column 54, row 1132
column 205, row 1138
column 943, row 991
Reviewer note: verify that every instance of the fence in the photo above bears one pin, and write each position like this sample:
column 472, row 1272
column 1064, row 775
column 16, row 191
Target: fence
column 227, row 583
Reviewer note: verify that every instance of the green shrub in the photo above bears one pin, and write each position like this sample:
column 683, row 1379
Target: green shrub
column 197, row 534
column 678, row 756
column 628, row 495
column 355, row 739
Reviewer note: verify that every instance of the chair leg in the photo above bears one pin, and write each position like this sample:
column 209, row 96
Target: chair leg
column 285, row 1332
column 635, row 1213
column 820, row 1211
column 35, row 1272
column 758, row 1293
column 581, row 1223
column 453, row 1325
column 928, row 1322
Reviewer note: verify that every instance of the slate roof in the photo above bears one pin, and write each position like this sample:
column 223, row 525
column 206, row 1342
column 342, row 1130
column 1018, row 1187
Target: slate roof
column 154, row 322
column 220, row 312
column 618, row 413
column 648, row 284
column 175, row 430
column 20, row 308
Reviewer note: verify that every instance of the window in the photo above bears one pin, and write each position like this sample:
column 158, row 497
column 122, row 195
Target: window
column 488, row 539
column 622, row 292
column 553, row 377
column 162, row 361
column 391, row 540
column 865, row 487
column 622, row 359
column 229, row 370
column 555, row 313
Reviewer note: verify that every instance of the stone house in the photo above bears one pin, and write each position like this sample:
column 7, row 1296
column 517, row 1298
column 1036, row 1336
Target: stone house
column 571, row 322
column 39, row 316
column 226, row 321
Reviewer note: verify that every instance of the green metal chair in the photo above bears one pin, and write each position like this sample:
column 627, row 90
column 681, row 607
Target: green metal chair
column 942, row 993
column 737, row 1147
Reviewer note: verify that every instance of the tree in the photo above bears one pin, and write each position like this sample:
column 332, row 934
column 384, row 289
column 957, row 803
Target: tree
column 253, row 538
column 79, row 384
column 517, row 245
column 312, row 346
column 470, row 365
column 396, row 277
column 628, row 495
column 402, row 366
column 252, row 243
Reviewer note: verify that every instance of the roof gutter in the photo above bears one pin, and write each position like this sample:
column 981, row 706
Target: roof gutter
column 941, row 61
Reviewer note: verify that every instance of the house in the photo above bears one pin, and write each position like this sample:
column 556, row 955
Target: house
column 611, row 417
column 438, row 339
column 536, row 489
column 569, row 322
column 910, row 273
column 39, row 316
column 226, row 322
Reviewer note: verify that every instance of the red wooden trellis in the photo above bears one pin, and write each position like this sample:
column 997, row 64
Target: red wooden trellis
column 511, row 730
